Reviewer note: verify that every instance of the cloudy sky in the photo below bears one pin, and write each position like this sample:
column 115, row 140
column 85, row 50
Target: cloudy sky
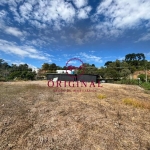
column 53, row 31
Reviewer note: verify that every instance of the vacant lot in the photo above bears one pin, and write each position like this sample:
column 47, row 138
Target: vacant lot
column 34, row 117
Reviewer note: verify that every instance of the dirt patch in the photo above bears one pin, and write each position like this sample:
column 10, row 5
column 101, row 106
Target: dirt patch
column 33, row 116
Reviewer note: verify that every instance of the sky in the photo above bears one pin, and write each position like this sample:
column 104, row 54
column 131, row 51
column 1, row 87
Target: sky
column 54, row 31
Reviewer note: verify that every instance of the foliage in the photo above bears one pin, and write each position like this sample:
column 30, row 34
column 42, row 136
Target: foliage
column 112, row 73
column 129, row 81
column 107, row 63
column 142, row 77
column 135, row 59
column 111, row 70
column 101, row 72
column 88, row 69
column 125, row 72
column 146, row 86
column 51, row 67
column 22, row 72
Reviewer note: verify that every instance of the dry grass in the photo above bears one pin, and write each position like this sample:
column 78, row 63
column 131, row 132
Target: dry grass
column 137, row 103
column 101, row 96
column 33, row 117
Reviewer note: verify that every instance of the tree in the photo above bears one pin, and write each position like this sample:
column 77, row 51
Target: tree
column 112, row 73
column 93, row 65
column 30, row 75
column 101, row 72
column 107, row 63
column 53, row 67
column 45, row 66
column 135, row 59
column 125, row 72
column 142, row 77
column 4, row 69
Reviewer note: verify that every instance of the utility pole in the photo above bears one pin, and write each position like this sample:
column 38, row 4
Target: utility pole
column 146, row 74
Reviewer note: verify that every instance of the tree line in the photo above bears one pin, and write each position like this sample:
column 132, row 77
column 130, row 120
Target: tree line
column 18, row 72
column 112, row 69
column 118, row 69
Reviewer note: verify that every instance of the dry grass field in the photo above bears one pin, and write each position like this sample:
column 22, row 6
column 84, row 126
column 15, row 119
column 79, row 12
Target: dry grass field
column 34, row 117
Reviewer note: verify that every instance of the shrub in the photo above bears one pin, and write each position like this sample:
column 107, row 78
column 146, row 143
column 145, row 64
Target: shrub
column 142, row 77
column 129, row 81
column 146, row 86
column 2, row 79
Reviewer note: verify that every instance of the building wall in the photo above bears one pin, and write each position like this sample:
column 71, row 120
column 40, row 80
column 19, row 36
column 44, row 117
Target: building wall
column 61, row 77
column 88, row 78
column 70, row 77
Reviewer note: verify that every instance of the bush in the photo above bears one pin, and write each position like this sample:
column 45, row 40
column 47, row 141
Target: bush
column 142, row 77
column 129, row 81
column 2, row 79
column 146, row 86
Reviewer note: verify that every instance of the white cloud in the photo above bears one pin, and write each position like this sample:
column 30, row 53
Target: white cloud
column 22, row 51
column 92, row 51
column 91, row 58
column 116, row 15
column 145, row 37
column 80, row 3
column 13, row 31
column 78, row 37
column 147, row 54
column 7, row 29
column 72, row 62
column 121, row 58
column 25, row 11
column 3, row 14
column 34, row 68
column 90, row 35
column 83, row 13
column 48, row 12
column 43, row 13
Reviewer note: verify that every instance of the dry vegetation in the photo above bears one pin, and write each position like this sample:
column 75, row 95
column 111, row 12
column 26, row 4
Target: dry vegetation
column 137, row 103
column 33, row 117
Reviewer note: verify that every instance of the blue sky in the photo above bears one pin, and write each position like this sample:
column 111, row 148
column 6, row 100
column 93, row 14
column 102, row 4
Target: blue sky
column 53, row 31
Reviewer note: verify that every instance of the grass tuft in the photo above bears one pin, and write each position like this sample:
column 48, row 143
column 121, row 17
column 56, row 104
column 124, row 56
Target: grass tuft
column 101, row 96
column 137, row 103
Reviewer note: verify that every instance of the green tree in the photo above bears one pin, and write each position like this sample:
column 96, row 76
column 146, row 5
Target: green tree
column 107, row 63
column 101, row 72
column 112, row 73
column 93, row 65
column 53, row 67
column 45, row 66
column 142, row 77
column 125, row 72
column 135, row 59
column 30, row 75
